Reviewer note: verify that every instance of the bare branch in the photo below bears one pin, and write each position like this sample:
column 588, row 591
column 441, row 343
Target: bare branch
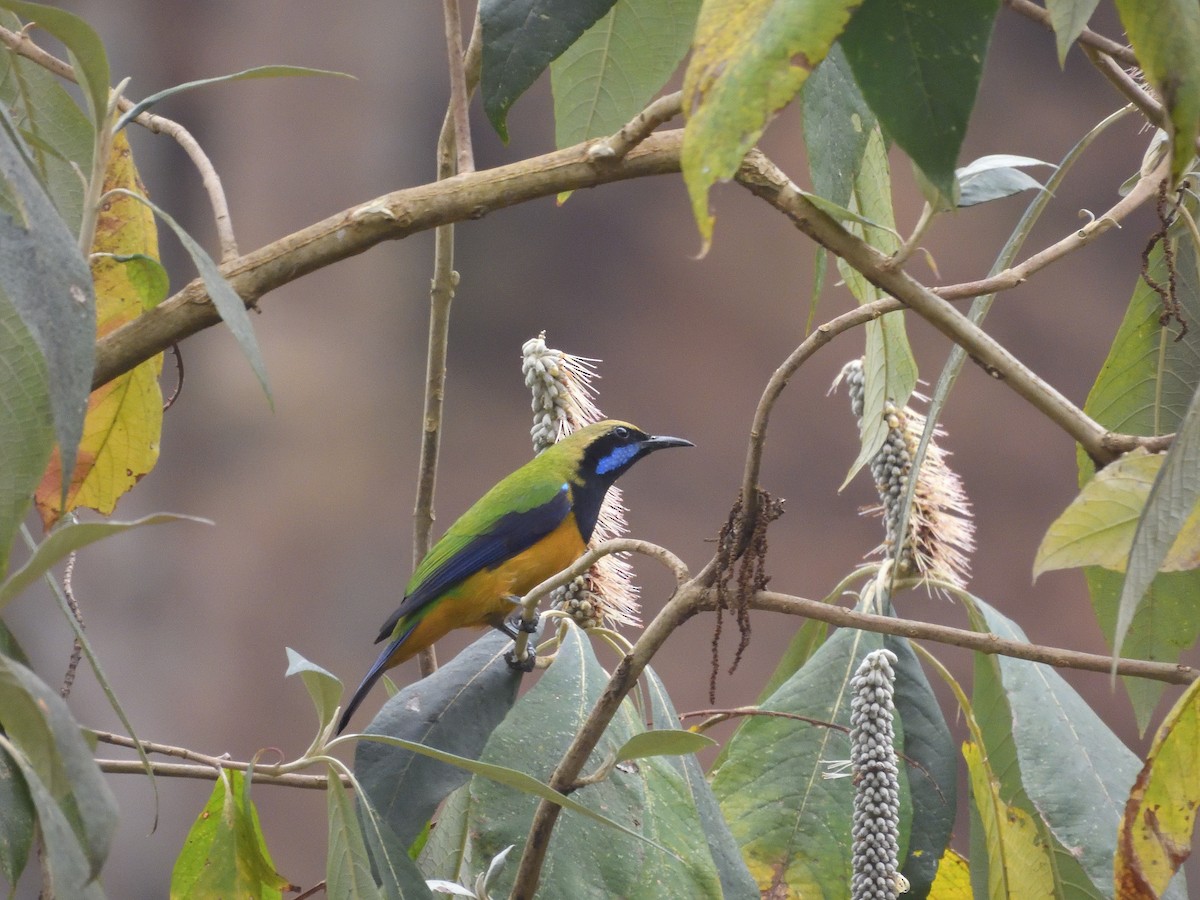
column 209, row 773
column 459, row 94
column 972, row 640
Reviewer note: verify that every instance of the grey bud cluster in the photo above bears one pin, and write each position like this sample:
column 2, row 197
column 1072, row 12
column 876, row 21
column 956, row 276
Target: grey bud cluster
column 576, row 599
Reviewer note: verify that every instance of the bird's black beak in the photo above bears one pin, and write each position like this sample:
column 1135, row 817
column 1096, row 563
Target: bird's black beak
column 658, row 442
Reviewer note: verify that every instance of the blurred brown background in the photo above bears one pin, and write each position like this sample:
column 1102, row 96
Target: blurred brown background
column 312, row 503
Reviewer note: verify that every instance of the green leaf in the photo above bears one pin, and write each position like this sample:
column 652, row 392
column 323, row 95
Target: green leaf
column 225, row 854
column 990, row 721
column 324, row 689
column 41, row 731
column 148, row 278
column 1144, row 388
column 837, row 126
column 793, row 824
column 931, row 761
column 58, row 133
column 1097, row 528
column 84, row 45
column 736, row 882
column 455, row 709
column 49, row 283
column 660, row 850
column 347, row 867
column 520, row 38
column 68, row 869
column 748, row 61
column 919, row 65
column 1173, row 498
column 26, row 434
column 257, row 72
column 1069, row 18
column 398, row 876
column 1166, row 38
column 17, row 818
column 889, row 369
column 73, row 536
column 609, row 75
column 663, row 742
column 1074, row 769
column 231, row 307
column 995, row 177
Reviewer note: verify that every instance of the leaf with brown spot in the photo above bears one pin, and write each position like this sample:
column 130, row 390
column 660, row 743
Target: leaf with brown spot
column 124, row 419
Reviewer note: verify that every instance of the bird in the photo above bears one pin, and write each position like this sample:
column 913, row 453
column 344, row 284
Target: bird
column 533, row 524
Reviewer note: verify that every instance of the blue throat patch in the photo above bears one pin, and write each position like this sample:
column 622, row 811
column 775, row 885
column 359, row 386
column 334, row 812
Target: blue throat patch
column 617, row 458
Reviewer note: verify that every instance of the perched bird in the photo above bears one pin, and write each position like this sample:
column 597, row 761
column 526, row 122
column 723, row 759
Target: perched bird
column 531, row 525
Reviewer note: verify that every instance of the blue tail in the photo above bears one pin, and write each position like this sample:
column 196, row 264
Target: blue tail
column 372, row 676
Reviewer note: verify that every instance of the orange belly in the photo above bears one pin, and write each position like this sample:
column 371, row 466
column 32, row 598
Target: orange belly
column 483, row 599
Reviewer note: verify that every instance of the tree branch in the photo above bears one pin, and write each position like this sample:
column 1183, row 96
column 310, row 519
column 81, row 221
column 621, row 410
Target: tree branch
column 640, row 127
column 765, row 180
column 352, row 231
column 210, row 773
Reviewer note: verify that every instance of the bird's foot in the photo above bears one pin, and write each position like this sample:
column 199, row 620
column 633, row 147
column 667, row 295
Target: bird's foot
column 525, row 665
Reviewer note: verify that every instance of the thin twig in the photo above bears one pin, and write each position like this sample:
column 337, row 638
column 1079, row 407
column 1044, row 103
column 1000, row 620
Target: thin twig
column 1087, row 37
column 640, row 127
column 458, row 88
column 1145, row 188
column 22, row 44
column 1126, row 86
column 972, row 640
column 209, row 773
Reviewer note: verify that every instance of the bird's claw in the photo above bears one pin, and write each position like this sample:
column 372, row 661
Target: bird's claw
column 525, row 665
column 532, row 625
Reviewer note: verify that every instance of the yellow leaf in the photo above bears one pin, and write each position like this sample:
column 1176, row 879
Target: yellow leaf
column 1018, row 861
column 953, row 881
column 1156, row 831
column 1097, row 528
column 124, row 420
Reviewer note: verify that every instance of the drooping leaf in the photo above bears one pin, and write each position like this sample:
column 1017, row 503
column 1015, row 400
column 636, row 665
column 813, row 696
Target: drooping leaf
column 995, row 177
column 257, row 72
column 748, row 61
column 1097, row 528
column 889, row 369
column 1069, row 18
column 225, row 854
column 73, row 536
column 837, row 126
column 397, row 874
column 1160, row 816
column 1074, row 769
column 1174, row 497
column 58, row 133
column 455, row 709
column 931, row 762
column 17, row 818
column 47, row 280
column 123, row 425
column 86, row 50
column 324, row 689
column 609, row 75
column 953, row 880
column 520, row 38
column 1017, row 865
column 67, row 867
column 919, row 66
column 649, row 799
column 347, row 866
column 230, row 306
column 1144, row 388
column 1166, row 38
column 47, row 743
column 147, row 277
column 26, row 432
column 793, row 824
column 736, row 882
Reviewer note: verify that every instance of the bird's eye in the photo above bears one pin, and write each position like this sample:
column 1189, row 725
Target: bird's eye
column 621, row 431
